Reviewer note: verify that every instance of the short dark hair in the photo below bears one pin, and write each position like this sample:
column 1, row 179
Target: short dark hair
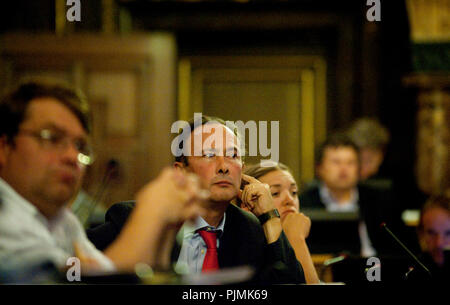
column 339, row 139
column 369, row 133
column 14, row 105
column 200, row 122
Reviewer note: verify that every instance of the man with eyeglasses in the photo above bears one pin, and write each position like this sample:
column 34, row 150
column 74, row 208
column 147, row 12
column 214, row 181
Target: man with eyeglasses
column 44, row 150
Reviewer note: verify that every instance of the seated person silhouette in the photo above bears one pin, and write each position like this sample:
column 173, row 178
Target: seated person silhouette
column 346, row 216
column 372, row 140
column 434, row 236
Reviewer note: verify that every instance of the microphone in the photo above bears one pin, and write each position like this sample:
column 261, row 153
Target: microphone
column 334, row 260
column 112, row 168
column 410, row 254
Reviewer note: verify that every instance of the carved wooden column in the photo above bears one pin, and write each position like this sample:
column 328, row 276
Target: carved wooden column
column 433, row 132
column 430, row 42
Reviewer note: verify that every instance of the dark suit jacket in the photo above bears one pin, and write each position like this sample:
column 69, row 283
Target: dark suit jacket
column 375, row 207
column 243, row 243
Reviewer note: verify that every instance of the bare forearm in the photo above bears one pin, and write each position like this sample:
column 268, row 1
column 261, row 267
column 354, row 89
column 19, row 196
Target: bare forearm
column 304, row 257
column 167, row 201
column 166, row 244
column 272, row 229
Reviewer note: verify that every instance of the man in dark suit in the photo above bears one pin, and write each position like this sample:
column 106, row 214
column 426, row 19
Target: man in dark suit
column 338, row 191
column 211, row 150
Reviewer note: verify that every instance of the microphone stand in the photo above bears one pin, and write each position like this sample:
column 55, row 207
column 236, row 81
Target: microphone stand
column 410, row 254
column 111, row 168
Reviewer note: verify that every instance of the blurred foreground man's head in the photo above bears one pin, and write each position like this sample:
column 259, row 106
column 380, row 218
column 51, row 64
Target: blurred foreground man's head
column 44, row 145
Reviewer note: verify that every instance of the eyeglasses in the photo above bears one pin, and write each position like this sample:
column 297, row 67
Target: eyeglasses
column 59, row 140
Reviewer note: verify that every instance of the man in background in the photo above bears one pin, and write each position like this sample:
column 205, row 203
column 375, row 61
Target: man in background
column 372, row 139
column 338, row 191
column 434, row 237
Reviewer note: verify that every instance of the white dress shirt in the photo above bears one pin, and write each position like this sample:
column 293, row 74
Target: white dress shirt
column 193, row 248
column 27, row 237
column 351, row 205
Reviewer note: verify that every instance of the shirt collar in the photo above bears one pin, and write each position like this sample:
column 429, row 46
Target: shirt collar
column 332, row 205
column 200, row 223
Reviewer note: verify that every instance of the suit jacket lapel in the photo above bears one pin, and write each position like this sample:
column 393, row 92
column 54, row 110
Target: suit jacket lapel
column 228, row 257
column 225, row 255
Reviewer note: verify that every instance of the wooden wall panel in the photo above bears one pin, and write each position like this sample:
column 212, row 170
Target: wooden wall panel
column 130, row 82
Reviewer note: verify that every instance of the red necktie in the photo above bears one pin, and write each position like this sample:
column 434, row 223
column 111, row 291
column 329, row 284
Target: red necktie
column 211, row 261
